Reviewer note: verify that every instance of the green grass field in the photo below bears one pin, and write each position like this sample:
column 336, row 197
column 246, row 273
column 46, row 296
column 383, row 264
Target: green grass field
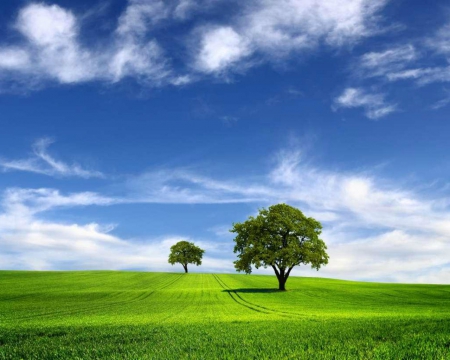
column 132, row 315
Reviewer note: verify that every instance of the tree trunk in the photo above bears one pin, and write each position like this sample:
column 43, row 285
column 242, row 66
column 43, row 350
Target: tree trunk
column 282, row 284
column 185, row 268
column 282, row 276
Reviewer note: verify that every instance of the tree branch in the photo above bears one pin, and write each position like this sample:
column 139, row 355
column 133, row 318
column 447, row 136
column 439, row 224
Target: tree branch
column 289, row 271
column 277, row 273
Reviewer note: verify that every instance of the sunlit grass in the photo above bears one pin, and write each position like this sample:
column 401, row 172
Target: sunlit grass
column 134, row 315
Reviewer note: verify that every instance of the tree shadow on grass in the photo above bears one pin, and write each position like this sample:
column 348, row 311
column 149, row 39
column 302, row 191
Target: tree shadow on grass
column 250, row 291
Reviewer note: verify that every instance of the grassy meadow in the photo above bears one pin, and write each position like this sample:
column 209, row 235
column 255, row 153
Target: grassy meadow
column 136, row 315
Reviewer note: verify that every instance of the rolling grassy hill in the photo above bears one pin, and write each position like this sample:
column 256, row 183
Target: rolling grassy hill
column 134, row 315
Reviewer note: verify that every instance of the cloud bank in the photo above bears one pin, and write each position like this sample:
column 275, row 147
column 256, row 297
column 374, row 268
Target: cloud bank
column 375, row 230
column 30, row 242
column 52, row 47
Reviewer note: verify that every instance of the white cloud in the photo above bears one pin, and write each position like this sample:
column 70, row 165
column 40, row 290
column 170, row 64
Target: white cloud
column 395, row 256
column 140, row 16
column 358, row 197
column 374, row 228
column 401, row 63
column 414, row 232
column 386, row 62
column 53, row 46
column 47, row 25
column 443, row 102
column 220, row 48
column 141, row 61
column 397, row 65
column 423, row 76
column 276, row 28
column 42, row 245
column 32, row 201
column 421, row 61
column 134, row 55
column 14, row 59
column 440, row 42
column 374, row 105
column 28, row 242
column 180, row 186
column 425, row 62
column 53, row 49
column 186, row 7
column 43, row 163
column 292, row 23
column 347, row 199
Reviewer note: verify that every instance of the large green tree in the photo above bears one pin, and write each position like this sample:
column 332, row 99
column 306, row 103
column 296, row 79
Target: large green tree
column 280, row 237
column 185, row 253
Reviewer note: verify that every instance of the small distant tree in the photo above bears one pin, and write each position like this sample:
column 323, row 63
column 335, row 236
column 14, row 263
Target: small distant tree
column 185, row 253
column 280, row 237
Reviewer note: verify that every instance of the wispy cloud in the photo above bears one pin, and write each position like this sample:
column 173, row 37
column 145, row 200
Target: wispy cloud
column 408, row 62
column 351, row 205
column 52, row 49
column 423, row 76
column 134, row 55
column 229, row 120
column 374, row 104
column 402, row 63
column 275, row 29
column 440, row 42
column 42, row 162
column 386, row 62
column 435, row 67
column 181, row 186
column 443, row 102
column 375, row 229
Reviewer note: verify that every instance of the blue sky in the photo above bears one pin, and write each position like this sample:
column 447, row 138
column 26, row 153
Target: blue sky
column 128, row 125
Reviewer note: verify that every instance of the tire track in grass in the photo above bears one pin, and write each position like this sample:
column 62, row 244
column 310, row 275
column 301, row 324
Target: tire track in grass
column 254, row 306
column 88, row 309
column 169, row 303
column 236, row 297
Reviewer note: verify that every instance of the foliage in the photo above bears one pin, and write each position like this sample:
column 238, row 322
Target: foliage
column 280, row 237
column 135, row 315
column 184, row 253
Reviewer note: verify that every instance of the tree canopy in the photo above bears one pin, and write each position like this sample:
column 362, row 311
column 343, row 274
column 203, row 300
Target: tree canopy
column 280, row 237
column 184, row 253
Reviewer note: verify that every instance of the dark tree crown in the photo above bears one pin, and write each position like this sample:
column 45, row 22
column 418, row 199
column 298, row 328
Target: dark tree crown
column 184, row 252
column 280, row 237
